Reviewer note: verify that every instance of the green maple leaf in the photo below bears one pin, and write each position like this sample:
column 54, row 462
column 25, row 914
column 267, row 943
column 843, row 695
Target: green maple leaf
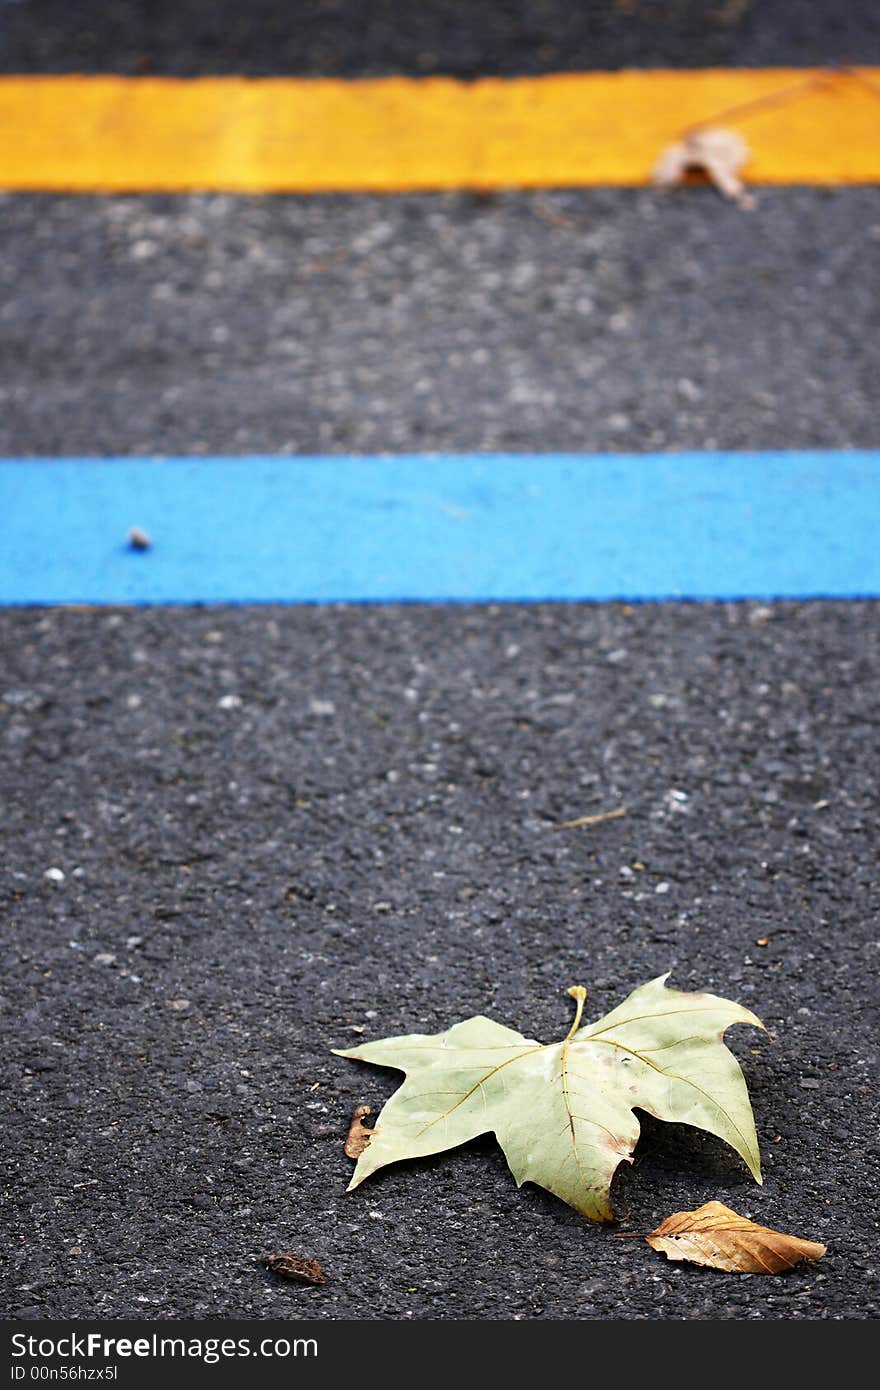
column 563, row 1112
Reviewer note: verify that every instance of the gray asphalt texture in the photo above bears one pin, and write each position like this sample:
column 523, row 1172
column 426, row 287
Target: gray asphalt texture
column 278, row 827
column 573, row 320
column 275, row 831
column 350, row 38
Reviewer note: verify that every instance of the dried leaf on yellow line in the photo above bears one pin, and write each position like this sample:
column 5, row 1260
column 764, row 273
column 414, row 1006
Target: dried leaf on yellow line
column 717, row 1236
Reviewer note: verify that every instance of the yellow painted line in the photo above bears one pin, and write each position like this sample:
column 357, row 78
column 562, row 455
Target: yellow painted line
column 241, row 135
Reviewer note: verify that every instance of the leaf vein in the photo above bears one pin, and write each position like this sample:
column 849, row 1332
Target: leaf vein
column 493, row 1071
column 686, row 1081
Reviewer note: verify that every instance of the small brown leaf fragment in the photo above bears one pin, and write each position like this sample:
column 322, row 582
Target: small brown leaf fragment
column 711, row 150
column 300, row 1268
column 359, row 1135
column 716, row 1236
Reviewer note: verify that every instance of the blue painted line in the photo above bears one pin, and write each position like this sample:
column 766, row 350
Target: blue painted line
column 446, row 528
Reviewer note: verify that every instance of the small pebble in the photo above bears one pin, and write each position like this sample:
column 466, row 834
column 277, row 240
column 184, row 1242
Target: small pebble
column 54, row 875
column 138, row 539
column 178, row 1004
column 324, row 708
column 103, row 958
column 143, row 249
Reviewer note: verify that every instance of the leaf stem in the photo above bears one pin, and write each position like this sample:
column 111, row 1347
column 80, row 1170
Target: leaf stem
column 579, row 993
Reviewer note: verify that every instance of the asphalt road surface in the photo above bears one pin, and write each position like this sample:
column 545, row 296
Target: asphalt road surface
column 235, row 838
column 566, row 320
column 343, row 38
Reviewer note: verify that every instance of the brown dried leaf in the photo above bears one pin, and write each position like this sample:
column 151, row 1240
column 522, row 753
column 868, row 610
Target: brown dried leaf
column 359, row 1135
column 712, row 150
column 716, row 1236
column 301, row 1268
